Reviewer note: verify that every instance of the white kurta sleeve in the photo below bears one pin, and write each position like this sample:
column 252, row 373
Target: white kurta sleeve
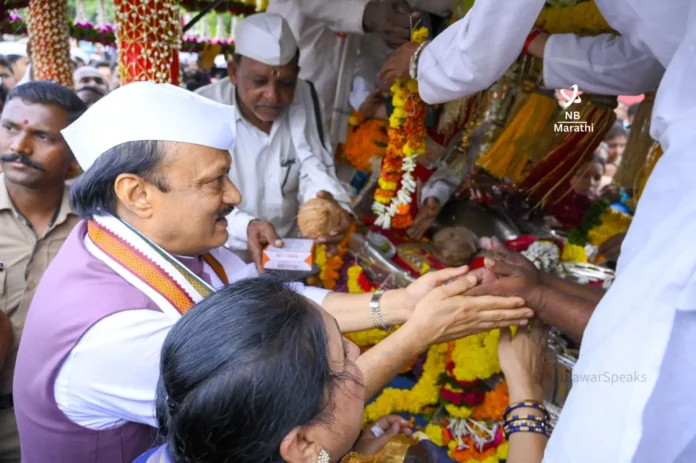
column 440, row 189
column 468, row 56
column 317, row 170
column 237, row 224
column 339, row 15
column 310, row 292
column 111, row 375
column 606, row 64
column 373, row 52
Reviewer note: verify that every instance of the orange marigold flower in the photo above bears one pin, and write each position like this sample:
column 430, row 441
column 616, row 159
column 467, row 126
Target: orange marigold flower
column 401, row 221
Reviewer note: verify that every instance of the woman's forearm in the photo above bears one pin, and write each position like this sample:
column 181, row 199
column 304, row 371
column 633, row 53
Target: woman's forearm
column 385, row 360
column 526, row 447
column 352, row 311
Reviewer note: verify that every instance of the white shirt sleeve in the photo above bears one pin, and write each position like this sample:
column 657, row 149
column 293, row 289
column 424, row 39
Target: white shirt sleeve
column 317, row 170
column 338, row 15
column 110, row 377
column 440, row 189
column 606, row 64
column 467, row 57
column 372, row 55
column 237, row 224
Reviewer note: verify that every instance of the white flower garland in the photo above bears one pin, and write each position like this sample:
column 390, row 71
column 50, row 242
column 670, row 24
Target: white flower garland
column 403, row 196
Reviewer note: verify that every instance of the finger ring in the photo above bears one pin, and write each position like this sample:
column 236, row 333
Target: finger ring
column 377, row 430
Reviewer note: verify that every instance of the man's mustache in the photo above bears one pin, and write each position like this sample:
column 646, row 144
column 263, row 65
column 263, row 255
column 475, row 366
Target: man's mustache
column 225, row 212
column 23, row 159
column 274, row 107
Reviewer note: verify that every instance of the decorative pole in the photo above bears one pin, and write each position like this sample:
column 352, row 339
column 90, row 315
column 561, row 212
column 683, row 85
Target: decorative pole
column 148, row 39
column 49, row 35
column 80, row 11
column 220, row 27
column 101, row 12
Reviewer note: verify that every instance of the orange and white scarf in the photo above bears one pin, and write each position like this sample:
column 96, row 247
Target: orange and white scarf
column 151, row 269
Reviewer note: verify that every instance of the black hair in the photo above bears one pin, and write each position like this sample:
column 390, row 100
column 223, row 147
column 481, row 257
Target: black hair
column 93, row 192
column 5, row 63
column 102, row 64
column 49, row 93
column 240, row 370
column 617, row 130
column 599, row 160
column 13, row 58
column 633, row 109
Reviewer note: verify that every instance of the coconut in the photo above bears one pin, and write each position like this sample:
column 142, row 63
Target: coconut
column 454, row 246
column 317, row 217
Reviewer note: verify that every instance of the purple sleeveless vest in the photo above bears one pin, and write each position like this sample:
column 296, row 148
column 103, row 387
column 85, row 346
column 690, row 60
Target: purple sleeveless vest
column 76, row 291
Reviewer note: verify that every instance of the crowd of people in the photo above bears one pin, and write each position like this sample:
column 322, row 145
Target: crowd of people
column 136, row 323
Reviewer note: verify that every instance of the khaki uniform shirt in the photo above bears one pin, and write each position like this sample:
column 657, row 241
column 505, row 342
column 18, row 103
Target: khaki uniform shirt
column 23, row 260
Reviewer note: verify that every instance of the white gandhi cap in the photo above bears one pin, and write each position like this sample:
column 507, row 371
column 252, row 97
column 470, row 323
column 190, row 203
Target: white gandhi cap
column 144, row 111
column 266, row 38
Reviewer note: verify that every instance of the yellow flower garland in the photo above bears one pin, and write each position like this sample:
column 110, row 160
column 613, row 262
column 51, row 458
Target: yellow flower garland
column 476, row 356
column 574, row 253
column 426, row 391
column 613, row 223
column 406, row 141
column 582, row 19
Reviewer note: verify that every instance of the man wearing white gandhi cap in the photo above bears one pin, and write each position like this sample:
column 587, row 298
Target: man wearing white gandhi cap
column 153, row 199
column 283, row 154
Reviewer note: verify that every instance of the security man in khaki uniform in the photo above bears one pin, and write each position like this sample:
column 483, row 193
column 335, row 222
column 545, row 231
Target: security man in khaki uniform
column 35, row 217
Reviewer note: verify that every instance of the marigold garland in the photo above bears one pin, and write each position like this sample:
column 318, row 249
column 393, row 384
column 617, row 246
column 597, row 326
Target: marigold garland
column 574, row 253
column 330, row 266
column 476, row 356
column 613, row 223
column 426, row 391
column 406, row 141
column 582, row 19
column 365, row 140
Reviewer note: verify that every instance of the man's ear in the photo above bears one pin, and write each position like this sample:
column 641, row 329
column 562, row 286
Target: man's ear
column 298, row 447
column 232, row 71
column 133, row 194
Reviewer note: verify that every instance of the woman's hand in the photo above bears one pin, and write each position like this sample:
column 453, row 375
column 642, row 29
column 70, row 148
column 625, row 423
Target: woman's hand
column 522, row 359
column 369, row 443
column 446, row 313
column 420, row 288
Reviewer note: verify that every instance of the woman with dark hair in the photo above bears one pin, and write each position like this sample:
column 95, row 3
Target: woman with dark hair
column 257, row 373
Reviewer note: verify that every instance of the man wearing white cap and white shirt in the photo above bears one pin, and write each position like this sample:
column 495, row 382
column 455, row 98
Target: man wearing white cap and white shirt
column 283, row 154
column 153, row 198
column 637, row 363
column 328, row 34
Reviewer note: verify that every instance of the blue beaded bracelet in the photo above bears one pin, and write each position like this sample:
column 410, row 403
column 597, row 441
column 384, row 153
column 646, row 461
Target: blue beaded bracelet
column 538, row 419
column 511, row 429
column 526, row 404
